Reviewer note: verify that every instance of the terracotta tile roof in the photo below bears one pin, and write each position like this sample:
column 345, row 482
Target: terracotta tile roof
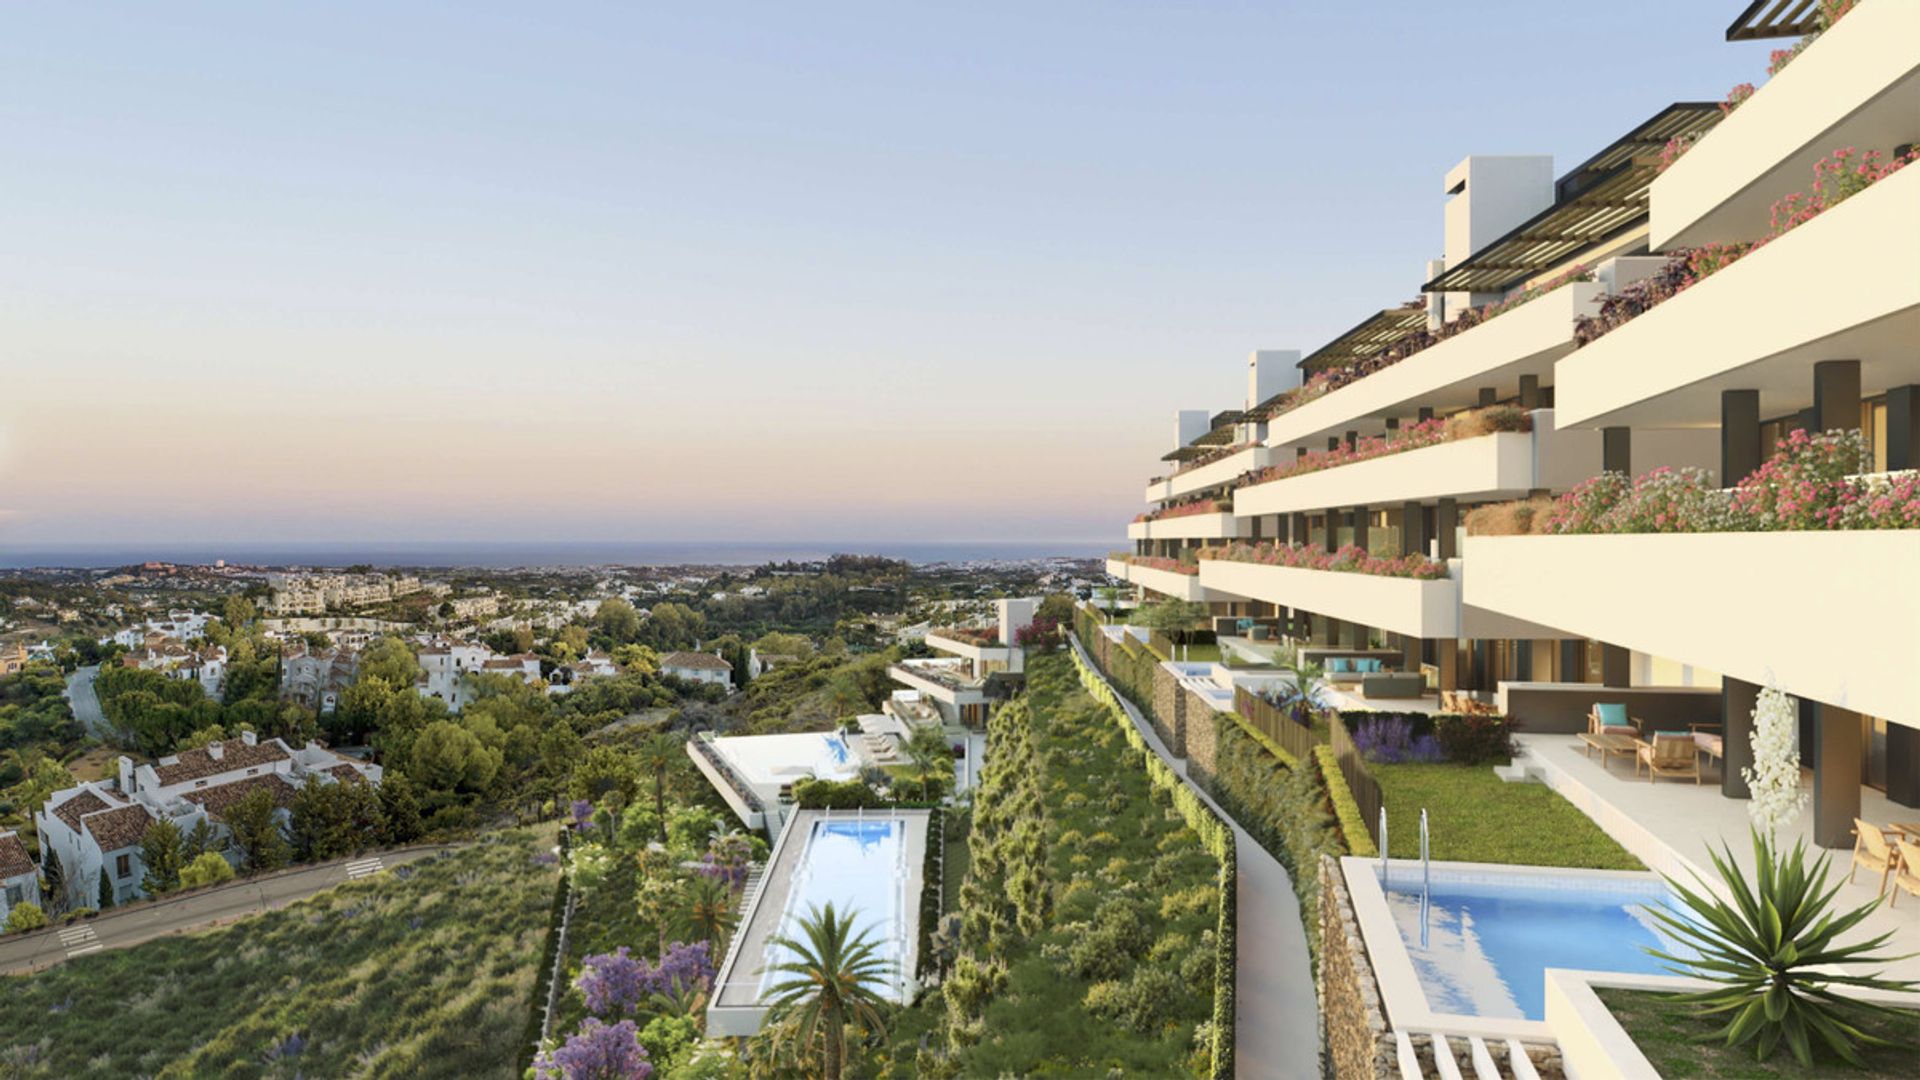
column 220, row 798
column 122, row 828
column 14, row 861
column 694, row 661
column 344, row 772
column 197, row 764
column 80, row 806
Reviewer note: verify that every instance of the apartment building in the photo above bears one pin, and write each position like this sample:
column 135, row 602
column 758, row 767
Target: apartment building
column 314, row 594
column 979, row 665
column 96, row 828
column 1687, row 298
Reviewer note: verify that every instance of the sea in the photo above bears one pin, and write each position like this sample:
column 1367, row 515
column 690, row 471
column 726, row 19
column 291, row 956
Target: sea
column 496, row 555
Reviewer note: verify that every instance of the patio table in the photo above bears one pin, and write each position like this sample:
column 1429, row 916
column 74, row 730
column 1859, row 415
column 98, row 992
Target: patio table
column 1608, row 743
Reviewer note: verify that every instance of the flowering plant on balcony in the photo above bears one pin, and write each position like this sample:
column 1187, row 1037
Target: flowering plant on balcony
column 1836, row 178
column 1210, row 457
column 1465, row 425
column 1155, row 562
column 1350, row 559
column 1193, row 506
column 1810, row 482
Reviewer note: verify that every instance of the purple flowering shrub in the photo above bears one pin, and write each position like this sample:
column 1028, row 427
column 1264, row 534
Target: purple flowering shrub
column 596, row 1052
column 615, row 983
column 727, row 859
column 1389, row 740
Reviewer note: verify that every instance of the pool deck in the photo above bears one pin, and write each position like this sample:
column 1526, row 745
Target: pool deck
column 1670, row 825
column 735, row 1008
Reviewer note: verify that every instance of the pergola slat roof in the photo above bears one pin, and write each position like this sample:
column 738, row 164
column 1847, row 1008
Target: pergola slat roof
column 1775, row 19
column 1375, row 333
column 1602, row 198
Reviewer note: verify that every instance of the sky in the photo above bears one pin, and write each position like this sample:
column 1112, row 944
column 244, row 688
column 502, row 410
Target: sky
column 577, row 271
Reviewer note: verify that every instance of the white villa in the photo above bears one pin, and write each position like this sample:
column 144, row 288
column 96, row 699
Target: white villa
column 99, row 825
column 697, row 667
column 19, row 878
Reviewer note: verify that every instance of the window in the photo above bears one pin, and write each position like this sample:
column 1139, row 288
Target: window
column 15, row 894
column 123, row 865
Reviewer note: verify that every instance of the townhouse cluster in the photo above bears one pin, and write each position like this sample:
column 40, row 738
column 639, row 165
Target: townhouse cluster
column 1560, row 467
column 315, row 594
column 96, row 828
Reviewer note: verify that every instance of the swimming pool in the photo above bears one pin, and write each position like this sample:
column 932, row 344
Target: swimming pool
column 1483, row 941
column 837, row 749
column 858, row 867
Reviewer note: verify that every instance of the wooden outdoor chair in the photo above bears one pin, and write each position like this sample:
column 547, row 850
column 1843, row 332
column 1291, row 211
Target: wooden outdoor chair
column 1906, row 875
column 1668, row 755
column 1871, row 850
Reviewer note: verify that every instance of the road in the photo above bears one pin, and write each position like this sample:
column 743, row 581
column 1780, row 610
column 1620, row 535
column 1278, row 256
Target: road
column 86, row 703
column 1276, row 1022
column 122, row 927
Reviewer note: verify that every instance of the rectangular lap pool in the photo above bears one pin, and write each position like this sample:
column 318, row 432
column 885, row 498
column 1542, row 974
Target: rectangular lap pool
column 858, row 867
column 1482, row 942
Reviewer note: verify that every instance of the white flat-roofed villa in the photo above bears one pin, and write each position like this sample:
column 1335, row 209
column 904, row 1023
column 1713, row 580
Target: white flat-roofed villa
column 1561, row 484
column 870, row 863
column 755, row 774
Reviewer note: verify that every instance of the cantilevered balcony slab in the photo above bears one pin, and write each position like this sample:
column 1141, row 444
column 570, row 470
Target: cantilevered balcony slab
column 943, row 681
column 1843, row 286
column 1829, row 616
column 1165, row 582
column 1488, row 467
column 1523, row 341
column 1857, row 86
column 971, row 651
column 1212, row 475
column 1221, row 526
column 1428, row 609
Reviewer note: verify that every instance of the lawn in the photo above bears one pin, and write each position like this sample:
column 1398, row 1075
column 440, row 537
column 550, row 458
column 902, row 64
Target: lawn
column 425, row 971
column 1474, row 816
column 1119, row 975
column 1682, row 1045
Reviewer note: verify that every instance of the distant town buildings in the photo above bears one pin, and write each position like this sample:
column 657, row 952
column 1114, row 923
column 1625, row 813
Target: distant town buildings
column 316, row 594
column 317, row 677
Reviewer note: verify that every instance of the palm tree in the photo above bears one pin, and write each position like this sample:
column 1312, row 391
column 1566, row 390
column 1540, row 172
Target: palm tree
column 834, row 981
column 658, row 754
column 709, row 913
column 1309, row 684
column 929, row 751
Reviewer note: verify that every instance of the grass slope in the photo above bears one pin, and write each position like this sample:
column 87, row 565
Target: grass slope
column 1474, row 816
column 1110, row 835
column 426, row 971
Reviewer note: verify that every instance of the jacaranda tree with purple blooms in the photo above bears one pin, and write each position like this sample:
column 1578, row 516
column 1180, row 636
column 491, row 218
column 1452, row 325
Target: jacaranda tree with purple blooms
column 596, row 1052
column 615, row 984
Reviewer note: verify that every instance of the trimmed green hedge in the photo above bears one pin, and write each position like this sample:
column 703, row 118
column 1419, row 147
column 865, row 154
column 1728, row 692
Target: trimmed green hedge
column 1281, row 807
column 1345, row 809
column 1219, row 840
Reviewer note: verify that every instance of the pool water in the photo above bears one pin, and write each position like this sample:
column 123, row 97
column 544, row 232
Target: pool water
column 1490, row 938
column 858, row 867
column 837, row 749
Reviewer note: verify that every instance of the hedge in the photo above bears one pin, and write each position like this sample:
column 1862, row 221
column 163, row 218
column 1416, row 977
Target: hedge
column 1219, row 840
column 1345, row 809
column 1283, row 808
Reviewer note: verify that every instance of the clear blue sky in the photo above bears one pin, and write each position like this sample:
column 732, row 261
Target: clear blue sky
column 831, row 271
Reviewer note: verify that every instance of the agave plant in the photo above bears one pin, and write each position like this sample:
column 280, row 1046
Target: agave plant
column 1773, row 956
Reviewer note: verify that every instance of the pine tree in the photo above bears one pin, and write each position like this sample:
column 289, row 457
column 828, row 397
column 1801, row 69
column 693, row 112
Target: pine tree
column 160, row 852
column 106, row 891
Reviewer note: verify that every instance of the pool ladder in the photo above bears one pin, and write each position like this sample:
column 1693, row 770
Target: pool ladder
column 1426, row 869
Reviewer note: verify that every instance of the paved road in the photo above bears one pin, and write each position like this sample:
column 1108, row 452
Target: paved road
column 1277, row 1014
column 122, row 927
column 86, row 703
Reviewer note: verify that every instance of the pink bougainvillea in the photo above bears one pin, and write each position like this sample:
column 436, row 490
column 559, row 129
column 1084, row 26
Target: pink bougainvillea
column 1350, row 558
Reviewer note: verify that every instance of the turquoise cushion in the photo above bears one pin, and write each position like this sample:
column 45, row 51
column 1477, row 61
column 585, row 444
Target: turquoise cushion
column 1614, row 714
column 1372, row 664
column 1340, row 664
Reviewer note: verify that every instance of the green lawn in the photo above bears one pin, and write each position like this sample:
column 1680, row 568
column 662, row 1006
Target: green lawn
column 425, row 971
column 1474, row 816
column 1682, row 1045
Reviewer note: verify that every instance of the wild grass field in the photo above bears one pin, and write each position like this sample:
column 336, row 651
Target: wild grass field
column 425, row 971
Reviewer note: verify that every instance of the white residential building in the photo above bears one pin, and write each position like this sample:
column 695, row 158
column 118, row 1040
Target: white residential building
column 19, row 877
column 99, row 825
column 697, row 667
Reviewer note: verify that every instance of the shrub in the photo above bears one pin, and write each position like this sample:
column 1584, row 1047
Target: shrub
column 25, row 916
column 1390, row 740
column 816, row 794
column 1474, row 740
column 207, row 868
column 1140, row 1003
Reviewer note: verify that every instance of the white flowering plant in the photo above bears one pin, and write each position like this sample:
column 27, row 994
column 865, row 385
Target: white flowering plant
column 1773, row 781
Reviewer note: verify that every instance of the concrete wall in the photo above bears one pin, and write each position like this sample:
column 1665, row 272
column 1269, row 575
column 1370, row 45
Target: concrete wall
column 1561, row 708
